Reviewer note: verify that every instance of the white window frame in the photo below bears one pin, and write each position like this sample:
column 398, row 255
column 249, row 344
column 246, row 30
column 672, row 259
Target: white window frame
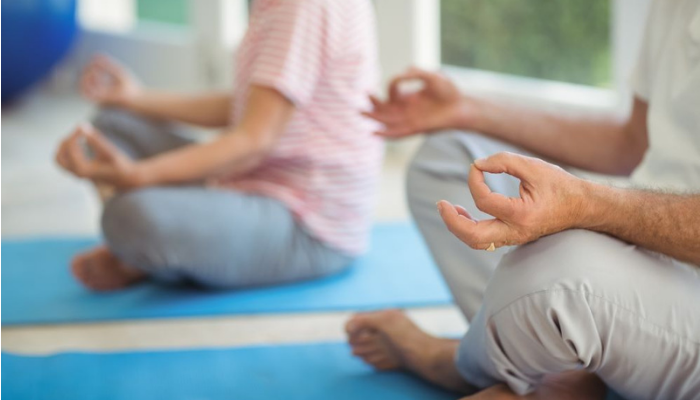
column 200, row 55
column 414, row 26
column 196, row 56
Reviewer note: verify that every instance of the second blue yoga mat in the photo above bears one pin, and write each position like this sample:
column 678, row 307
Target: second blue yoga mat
column 37, row 287
column 297, row 372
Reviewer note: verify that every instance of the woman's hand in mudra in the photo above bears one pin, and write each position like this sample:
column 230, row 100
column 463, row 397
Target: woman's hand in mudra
column 107, row 164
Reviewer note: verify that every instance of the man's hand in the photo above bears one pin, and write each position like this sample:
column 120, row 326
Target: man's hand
column 108, row 165
column 107, row 83
column 438, row 105
column 551, row 200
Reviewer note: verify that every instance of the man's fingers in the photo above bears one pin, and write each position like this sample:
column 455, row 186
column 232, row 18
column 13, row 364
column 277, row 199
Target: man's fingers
column 425, row 77
column 389, row 118
column 463, row 212
column 393, row 133
column 476, row 234
column 513, row 164
column 492, row 203
column 376, row 103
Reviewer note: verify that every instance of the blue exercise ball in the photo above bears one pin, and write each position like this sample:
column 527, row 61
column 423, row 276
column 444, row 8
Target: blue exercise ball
column 36, row 35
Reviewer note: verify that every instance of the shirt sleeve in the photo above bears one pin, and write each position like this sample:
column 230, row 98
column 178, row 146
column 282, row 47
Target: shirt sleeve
column 642, row 74
column 293, row 48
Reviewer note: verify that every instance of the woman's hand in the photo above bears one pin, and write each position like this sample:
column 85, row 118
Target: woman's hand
column 107, row 83
column 108, row 165
column 437, row 105
column 551, row 200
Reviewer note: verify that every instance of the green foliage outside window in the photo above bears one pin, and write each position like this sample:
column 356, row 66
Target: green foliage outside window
column 170, row 11
column 563, row 40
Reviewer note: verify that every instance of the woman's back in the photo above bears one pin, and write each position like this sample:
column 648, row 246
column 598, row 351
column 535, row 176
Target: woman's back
column 321, row 55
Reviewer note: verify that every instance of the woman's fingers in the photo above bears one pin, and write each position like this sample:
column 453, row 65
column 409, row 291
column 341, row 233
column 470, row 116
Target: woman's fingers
column 80, row 165
column 62, row 156
column 102, row 147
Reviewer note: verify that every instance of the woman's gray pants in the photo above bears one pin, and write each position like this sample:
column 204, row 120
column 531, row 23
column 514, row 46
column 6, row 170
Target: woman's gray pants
column 569, row 301
column 214, row 237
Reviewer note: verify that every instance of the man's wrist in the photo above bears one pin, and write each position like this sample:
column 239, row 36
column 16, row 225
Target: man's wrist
column 460, row 116
column 473, row 114
column 598, row 205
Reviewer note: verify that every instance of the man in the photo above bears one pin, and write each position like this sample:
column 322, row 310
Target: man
column 604, row 286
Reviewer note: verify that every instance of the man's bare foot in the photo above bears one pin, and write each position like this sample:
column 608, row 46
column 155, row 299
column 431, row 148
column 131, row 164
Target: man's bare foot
column 574, row 385
column 100, row 270
column 389, row 340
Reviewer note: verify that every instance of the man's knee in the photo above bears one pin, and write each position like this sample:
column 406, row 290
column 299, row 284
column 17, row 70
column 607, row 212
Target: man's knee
column 537, row 317
column 541, row 301
column 573, row 260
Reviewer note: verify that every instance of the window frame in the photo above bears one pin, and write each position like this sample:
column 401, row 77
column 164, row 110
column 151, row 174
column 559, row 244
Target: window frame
column 198, row 55
column 423, row 21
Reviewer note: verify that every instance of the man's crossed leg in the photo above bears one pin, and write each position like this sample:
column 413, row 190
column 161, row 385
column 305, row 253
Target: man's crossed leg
column 556, row 313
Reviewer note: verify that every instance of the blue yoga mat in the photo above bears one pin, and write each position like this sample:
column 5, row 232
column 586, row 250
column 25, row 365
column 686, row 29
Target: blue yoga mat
column 37, row 287
column 308, row 372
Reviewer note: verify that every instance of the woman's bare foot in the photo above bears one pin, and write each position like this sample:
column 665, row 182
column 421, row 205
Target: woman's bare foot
column 100, row 270
column 389, row 340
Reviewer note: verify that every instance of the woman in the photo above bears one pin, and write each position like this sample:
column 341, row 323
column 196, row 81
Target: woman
column 284, row 193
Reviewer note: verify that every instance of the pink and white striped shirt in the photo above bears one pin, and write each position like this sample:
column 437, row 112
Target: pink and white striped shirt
column 321, row 55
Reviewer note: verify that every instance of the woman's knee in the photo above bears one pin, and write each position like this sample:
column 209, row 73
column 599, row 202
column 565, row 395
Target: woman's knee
column 114, row 121
column 138, row 227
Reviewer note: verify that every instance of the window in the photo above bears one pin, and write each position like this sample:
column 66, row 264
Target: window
column 169, row 11
column 123, row 15
column 563, row 40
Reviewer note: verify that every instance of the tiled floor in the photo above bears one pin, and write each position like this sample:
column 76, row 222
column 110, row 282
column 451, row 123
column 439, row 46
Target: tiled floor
column 39, row 199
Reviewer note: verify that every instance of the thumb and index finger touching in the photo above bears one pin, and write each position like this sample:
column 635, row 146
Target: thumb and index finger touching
column 488, row 201
column 413, row 73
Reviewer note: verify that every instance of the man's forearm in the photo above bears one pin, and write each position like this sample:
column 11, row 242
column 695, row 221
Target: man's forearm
column 602, row 144
column 666, row 223
column 206, row 109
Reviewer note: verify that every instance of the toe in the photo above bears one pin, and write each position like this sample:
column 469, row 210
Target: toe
column 80, row 267
column 365, row 349
column 364, row 336
column 371, row 320
column 380, row 362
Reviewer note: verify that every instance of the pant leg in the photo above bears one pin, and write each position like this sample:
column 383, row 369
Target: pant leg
column 583, row 300
column 218, row 238
column 439, row 171
column 140, row 137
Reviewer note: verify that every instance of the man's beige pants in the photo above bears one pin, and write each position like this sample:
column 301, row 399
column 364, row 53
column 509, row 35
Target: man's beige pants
column 570, row 301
